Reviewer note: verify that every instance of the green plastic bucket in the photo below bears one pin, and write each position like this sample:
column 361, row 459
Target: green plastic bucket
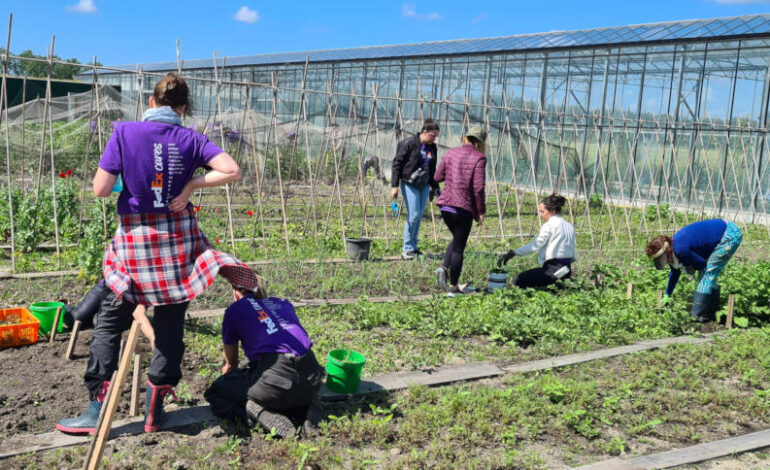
column 45, row 312
column 343, row 368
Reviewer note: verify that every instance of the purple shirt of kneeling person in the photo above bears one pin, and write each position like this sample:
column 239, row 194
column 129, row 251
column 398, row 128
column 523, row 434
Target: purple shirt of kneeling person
column 282, row 379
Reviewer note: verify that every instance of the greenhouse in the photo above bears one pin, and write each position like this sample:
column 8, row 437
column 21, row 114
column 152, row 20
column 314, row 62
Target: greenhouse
column 669, row 112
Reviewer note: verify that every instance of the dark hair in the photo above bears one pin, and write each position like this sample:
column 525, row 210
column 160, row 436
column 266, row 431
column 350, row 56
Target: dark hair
column 657, row 243
column 259, row 292
column 429, row 126
column 478, row 144
column 172, row 91
column 554, row 203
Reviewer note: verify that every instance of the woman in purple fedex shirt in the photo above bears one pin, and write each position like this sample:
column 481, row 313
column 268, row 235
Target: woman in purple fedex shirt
column 158, row 256
column 278, row 388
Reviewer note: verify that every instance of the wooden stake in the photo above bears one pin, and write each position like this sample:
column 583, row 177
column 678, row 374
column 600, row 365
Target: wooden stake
column 660, row 296
column 629, row 290
column 55, row 326
column 132, row 411
column 73, row 340
column 730, row 310
column 111, row 401
column 122, row 347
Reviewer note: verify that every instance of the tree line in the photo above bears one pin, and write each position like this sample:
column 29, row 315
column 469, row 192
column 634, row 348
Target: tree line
column 29, row 68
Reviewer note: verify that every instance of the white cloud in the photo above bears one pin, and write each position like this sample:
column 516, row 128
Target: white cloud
column 480, row 17
column 247, row 15
column 83, row 6
column 408, row 10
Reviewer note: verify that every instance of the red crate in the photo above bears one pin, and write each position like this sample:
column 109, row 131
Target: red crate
column 18, row 334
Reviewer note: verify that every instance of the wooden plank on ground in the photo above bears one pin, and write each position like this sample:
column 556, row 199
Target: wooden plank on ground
column 689, row 455
column 432, row 377
column 577, row 358
column 128, row 427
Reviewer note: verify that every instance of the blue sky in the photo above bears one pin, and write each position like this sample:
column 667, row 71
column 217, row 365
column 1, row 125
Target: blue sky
column 146, row 31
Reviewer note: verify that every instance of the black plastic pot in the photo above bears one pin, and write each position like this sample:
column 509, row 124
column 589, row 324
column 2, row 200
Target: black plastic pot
column 358, row 248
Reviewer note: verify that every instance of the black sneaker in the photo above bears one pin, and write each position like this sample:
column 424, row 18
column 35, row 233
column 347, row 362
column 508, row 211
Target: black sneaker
column 407, row 255
column 270, row 420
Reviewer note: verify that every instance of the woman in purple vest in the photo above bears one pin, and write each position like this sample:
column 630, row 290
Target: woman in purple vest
column 278, row 388
column 463, row 171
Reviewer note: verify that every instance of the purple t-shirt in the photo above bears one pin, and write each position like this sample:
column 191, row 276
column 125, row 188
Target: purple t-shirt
column 264, row 327
column 156, row 160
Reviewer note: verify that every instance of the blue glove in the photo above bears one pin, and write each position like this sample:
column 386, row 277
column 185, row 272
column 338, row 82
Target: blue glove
column 394, row 206
column 118, row 187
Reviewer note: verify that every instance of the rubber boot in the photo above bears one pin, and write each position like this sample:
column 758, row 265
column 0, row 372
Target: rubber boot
column 85, row 423
column 270, row 420
column 714, row 302
column 701, row 307
column 154, row 416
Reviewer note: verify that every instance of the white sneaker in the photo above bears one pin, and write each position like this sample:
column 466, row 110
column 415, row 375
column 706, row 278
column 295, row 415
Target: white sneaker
column 441, row 278
column 462, row 289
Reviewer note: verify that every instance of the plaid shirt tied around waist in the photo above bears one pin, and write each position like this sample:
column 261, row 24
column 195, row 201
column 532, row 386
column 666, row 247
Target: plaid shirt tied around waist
column 162, row 259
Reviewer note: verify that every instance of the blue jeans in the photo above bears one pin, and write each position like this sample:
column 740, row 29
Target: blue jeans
column 415, row 200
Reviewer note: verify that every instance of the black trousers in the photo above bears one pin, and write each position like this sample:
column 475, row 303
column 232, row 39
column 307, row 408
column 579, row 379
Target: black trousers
column 460, row 226
column 275, row 381
column 114, row 318
column 540, row 277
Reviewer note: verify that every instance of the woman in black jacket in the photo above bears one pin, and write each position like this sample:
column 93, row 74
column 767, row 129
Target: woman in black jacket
column 413, row 169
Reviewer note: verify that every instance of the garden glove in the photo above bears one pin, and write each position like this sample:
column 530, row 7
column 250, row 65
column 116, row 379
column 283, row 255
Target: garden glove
column 665, row 300
column 502, row 259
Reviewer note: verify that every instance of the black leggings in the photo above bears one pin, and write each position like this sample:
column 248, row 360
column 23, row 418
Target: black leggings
column 460, row 226
column 540, row 277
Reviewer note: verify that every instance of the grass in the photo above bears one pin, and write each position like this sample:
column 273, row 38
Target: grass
column 624, row 407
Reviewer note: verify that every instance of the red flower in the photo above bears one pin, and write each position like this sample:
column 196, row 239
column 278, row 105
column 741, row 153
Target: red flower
column 249, row 213
column 216, row 210
column 62, row 174
column 216, row 240
column 69, row 172
column 197, row 208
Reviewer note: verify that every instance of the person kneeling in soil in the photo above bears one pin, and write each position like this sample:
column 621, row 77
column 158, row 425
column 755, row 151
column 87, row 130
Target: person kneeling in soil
column 278, row 389
column 555, row 245
column 86, row 311
column 705, row 246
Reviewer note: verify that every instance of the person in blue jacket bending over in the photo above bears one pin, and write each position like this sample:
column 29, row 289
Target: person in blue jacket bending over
column 705, row 247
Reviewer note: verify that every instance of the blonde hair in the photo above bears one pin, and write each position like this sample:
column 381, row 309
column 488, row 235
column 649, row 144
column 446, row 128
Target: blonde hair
column 480, row 146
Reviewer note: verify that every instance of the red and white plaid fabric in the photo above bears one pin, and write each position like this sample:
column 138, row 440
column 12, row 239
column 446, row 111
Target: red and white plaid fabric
column 161, row 259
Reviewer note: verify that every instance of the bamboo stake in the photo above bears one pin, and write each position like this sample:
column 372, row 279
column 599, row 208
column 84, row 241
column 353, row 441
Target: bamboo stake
column 73, row 340
column 730, row 311
column 134, row 406
column 55, row 326
column 629, row 290
column 4, row 93
column 218, row 112
column 23, row 127
column 111, row 402
column 90, row 142
column 278, row 162
column 53, row 164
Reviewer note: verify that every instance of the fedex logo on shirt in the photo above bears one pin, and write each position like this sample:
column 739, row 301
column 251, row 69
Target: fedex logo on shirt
column 157, row 184
column 263, row 317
